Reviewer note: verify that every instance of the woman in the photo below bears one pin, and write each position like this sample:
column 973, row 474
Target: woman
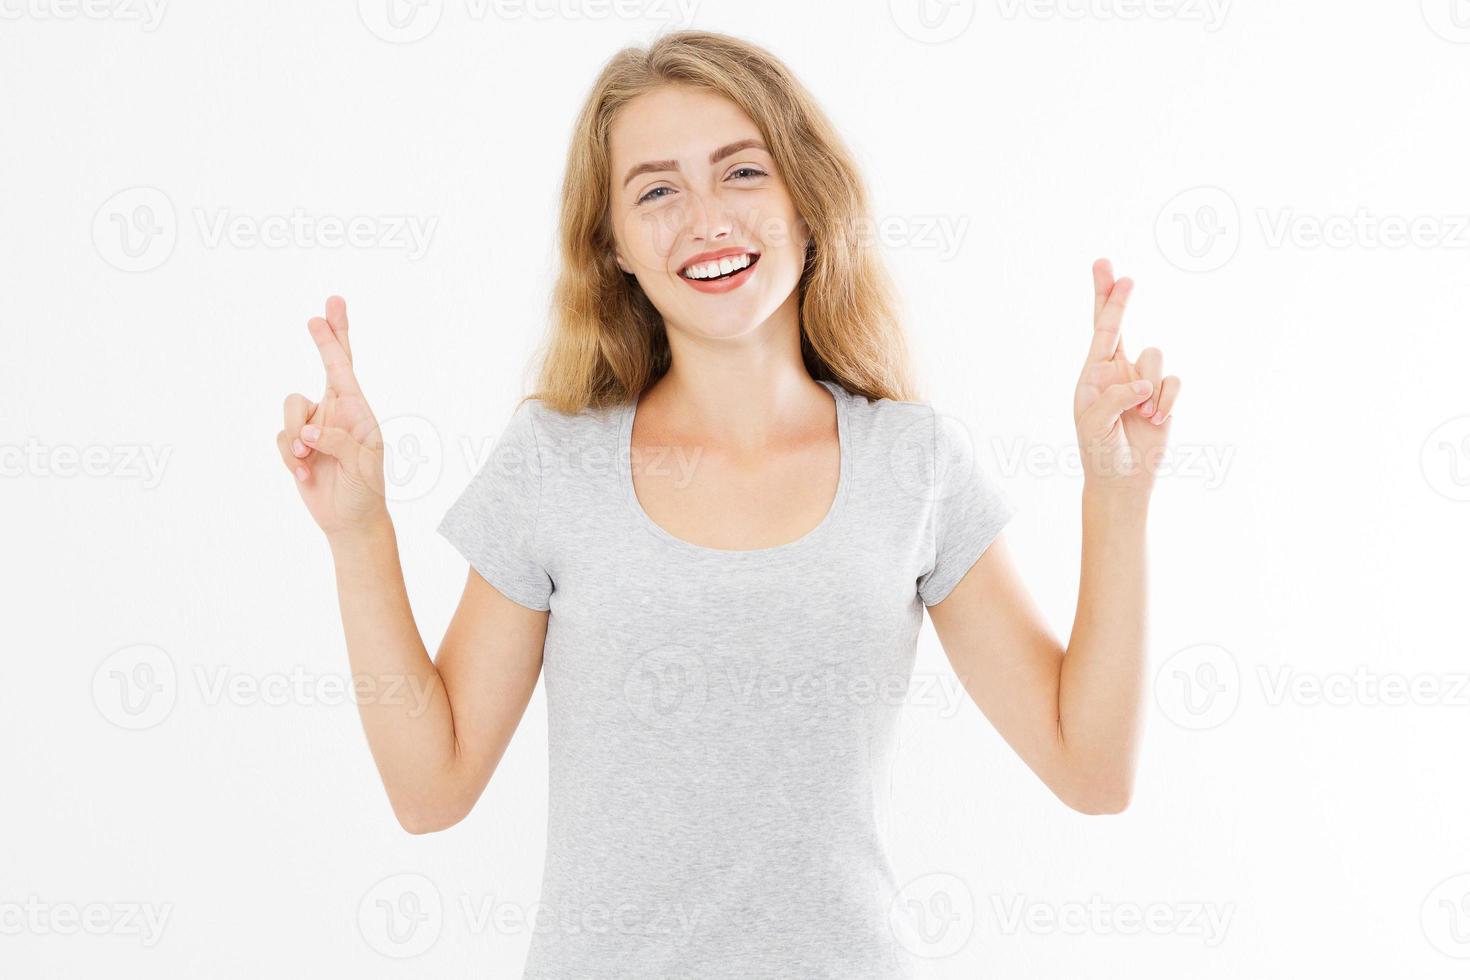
column 715, row 527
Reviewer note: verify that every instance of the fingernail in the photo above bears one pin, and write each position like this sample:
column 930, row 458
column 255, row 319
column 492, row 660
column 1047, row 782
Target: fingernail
column 311, row 433
column 1147, row 408
column 301, row 474
column 1142, row 386
column 298, row 448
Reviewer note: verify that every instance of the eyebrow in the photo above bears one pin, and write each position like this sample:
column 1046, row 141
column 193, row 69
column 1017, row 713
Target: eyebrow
column 657, row 166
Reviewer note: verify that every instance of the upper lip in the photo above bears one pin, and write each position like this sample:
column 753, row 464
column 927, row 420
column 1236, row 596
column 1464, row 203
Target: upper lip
column 723, row 253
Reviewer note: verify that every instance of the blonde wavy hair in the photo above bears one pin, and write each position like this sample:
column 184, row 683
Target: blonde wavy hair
column 607, row 343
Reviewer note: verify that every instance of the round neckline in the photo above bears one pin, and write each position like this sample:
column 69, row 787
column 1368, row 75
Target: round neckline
column 844, row 474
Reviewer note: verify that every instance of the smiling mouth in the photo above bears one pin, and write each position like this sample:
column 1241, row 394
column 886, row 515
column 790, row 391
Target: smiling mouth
column 706, row 271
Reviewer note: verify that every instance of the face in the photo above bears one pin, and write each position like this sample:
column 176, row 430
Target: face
column 696, row 196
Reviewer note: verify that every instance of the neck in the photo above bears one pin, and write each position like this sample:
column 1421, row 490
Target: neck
column 742, row 392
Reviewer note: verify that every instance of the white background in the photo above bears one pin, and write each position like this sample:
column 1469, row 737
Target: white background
column 176, row 740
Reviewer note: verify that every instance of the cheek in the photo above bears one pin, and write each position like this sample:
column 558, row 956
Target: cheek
column 651, row 237
column 778, row 225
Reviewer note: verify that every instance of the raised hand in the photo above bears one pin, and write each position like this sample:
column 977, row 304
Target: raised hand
column 334, row 447
column 1122, row 408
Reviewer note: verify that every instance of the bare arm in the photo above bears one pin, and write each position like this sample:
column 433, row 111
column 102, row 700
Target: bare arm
column 436, row 731
column 1074, row 715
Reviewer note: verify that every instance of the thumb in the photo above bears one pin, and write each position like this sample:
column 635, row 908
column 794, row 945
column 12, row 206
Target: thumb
column 336, row 443
column 1114, row 401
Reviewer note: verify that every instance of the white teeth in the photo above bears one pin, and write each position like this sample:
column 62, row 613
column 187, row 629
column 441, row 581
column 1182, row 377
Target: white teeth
column 723, row 267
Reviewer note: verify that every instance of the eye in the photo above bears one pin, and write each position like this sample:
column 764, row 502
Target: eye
column 649, row 196
column 751, row 173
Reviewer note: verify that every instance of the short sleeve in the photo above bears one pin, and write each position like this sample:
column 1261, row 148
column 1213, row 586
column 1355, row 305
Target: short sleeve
column 967, row 509
column 494, row 522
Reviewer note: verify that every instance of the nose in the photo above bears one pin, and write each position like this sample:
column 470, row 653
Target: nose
column 709, row 217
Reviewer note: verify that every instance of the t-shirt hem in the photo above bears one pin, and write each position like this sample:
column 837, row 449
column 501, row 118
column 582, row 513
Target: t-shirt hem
column 968, row 554
column 500, row 579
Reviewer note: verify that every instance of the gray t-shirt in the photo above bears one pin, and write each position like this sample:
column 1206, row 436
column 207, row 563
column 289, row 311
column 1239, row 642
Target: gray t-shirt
column 721, row 723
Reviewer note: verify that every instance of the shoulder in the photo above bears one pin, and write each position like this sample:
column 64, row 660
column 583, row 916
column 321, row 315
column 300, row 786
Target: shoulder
column 915, row 450
column 588, row 427
column 571, row 448
column 888, row 426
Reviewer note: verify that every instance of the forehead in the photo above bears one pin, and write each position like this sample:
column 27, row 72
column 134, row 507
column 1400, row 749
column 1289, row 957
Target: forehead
column 675, row 122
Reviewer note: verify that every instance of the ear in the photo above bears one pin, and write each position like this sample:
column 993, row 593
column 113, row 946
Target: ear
column 621, row 264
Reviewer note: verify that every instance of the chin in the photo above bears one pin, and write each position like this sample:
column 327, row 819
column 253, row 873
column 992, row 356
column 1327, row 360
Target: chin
column 726, row 329
column 724, row 324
